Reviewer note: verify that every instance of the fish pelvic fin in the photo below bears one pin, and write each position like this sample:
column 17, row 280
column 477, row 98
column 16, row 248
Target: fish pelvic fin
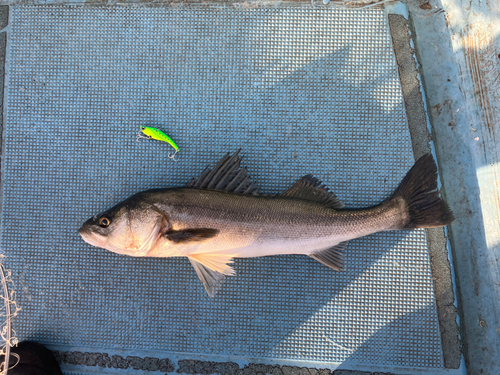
column 332, row 257
column 418, row 189
column 215, row 262
column 212, row 270
column 212, row 280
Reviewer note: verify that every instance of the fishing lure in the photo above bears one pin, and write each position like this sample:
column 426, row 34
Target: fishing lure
column 153, row 133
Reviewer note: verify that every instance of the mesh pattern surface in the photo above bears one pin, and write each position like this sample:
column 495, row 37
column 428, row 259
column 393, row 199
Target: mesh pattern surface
column 299, row 90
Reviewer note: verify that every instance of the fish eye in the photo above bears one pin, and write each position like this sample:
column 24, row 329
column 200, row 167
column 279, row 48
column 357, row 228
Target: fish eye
column 143, row 127
column 104, row 222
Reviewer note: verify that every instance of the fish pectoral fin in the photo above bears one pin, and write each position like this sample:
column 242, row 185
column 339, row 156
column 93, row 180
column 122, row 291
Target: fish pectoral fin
column 191, row 235
column 311, row 189
column 332, row 257
column 211, row 280
column 215, row 262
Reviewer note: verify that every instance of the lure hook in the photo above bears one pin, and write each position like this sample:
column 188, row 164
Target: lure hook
column 153, row 133
column 172, row 156
column 139, row 136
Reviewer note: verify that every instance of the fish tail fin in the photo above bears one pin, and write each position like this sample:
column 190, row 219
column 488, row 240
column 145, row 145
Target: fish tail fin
column 419, row 191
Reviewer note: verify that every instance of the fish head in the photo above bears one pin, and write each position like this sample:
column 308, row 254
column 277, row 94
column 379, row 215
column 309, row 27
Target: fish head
column 130, row 228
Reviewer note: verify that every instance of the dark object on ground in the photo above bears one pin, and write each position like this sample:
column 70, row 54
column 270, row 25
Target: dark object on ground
column 35, row 359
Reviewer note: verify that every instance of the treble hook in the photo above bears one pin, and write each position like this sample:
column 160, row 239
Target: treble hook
column 153, row 133
column 172, row 156
column 139, row 136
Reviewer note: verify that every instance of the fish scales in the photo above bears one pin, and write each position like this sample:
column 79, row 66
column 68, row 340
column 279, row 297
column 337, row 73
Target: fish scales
column 277, row 225
column 212, row 227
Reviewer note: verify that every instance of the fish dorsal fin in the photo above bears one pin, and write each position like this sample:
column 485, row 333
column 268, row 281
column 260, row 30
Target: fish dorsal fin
column 310, row 188
column 227, row 175
column 332, row 257
column 211, row 280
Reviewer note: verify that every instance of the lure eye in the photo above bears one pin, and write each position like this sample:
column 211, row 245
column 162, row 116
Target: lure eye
column 143, row 127
column 104, row 222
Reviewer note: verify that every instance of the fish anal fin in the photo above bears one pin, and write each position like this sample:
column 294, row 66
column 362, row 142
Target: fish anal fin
column 332, row 257
column 191, row 234
column 215, row 262
column 227, row 175
column 310, row 188
column 212, row 280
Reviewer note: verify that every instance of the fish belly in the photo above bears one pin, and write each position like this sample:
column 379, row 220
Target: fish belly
column 261, row 226
column 248, row 240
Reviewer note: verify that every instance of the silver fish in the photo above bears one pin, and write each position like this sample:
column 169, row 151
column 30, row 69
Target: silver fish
column 221, row 216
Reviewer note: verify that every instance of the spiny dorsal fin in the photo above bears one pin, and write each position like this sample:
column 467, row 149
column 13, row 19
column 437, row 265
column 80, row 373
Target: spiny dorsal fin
column 227, row 175
column 310, row 188
column 332, row 257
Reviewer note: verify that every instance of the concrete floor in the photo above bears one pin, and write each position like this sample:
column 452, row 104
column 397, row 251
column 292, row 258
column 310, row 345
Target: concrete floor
column 465, row 128
column 458, row 45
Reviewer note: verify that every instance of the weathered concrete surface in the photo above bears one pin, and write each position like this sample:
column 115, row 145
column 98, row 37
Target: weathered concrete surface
column 103, row 360
column 4, row 16
column 417, row 122
column 190, row 366
column 410, row 84
column 458, row 44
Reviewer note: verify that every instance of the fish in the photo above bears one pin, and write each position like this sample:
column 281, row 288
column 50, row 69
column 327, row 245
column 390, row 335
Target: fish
column 221, row 215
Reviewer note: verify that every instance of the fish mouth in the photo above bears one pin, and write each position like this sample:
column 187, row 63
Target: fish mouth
column 92, row 238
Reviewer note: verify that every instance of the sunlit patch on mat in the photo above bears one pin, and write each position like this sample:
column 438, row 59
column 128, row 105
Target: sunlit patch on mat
column 299, row 90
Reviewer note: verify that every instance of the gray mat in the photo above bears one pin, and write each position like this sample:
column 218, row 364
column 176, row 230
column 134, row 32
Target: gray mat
column 299, row 90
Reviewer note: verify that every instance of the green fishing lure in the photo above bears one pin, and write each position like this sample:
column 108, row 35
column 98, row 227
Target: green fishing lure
column 153, row 133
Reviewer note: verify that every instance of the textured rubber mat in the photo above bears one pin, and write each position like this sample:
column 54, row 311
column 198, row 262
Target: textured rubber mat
column 299, row 90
